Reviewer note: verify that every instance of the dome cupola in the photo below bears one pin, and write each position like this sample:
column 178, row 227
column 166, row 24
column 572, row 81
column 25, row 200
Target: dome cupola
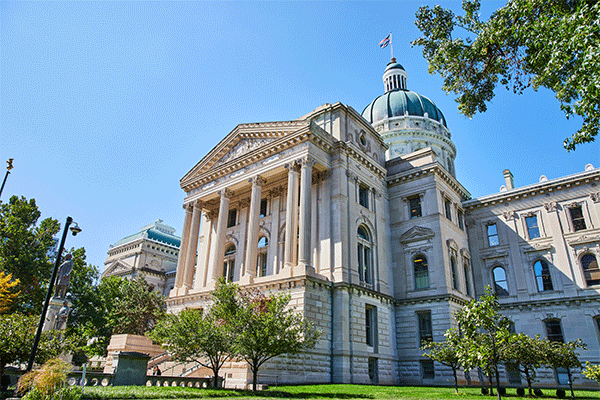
column 408, row 121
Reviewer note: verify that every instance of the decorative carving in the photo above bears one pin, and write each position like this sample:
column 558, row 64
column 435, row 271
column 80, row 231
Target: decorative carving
column 244, row 203
column 452, row 245
column 276, row 192
column 308, row 161
column 227, row 193
column 293, row 166
column 551, row 206
column 573, row 204
column 257, row 180
column 509, row 215
column 242, row 148
column 595, row 197
column 465, row 253
column 416, row 233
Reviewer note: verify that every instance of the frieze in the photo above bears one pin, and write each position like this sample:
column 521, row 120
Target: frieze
column 584, row 239
column 493, row 253
column 417, row 233
column 245, row 146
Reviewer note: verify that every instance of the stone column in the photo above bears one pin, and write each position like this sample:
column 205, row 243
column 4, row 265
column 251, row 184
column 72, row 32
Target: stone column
column 253, row 219
column 203, row 250
column 273, row 252
column 291, row 215
column 190, row 258
column 304, row 256
column 217, row 265
column 183, row 248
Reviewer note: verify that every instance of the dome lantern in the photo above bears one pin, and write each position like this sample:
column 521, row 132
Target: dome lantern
column 394, row 76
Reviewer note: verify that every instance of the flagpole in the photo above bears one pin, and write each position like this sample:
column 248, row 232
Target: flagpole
column 391, row 45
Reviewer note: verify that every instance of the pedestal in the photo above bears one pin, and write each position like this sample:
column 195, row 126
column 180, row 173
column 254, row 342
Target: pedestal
column 57, row 314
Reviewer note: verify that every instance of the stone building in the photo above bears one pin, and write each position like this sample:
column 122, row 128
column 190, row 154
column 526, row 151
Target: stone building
column 361, row 219
column 152, row 251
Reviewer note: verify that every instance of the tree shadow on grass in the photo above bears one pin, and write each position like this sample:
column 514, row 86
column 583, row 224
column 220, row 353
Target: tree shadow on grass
column 276, row 394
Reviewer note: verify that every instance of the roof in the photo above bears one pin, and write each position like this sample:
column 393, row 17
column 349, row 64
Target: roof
column 402, row 102
column 157, row 231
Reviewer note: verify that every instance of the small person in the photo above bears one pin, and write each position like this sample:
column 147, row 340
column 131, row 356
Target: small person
column 156, row 371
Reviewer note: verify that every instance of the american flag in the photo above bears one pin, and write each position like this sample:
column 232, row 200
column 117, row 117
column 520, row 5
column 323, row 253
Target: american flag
column 384, row 43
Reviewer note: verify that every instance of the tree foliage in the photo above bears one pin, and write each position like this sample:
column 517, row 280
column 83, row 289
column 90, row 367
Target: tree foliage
column 24, row 246
column 538, row 43
column 8, row 292
column 448, row 353
column 193, row 335
column 592, row 371
column 528, row 354
column 564, row 355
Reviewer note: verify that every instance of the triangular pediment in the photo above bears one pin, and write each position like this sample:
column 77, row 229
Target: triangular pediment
column 117, row 268
column 244, row 140
column 416, row 233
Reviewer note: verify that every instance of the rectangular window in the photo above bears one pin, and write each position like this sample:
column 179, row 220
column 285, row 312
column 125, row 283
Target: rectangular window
column 448, row 207
column 468, row 279
column 577, row 218
column 370, row 325
column 363, row 196
column 461, row 220
column 532, row 227
column 228, row 268
column 263, row 208
column 414, row 203
column 231, row 218
column 373, row 373
column 514, row 376
column 562, row 376
column 492, row 234
column 262, row 264
column 554, row 331
column 425, row 328
column 427, row 371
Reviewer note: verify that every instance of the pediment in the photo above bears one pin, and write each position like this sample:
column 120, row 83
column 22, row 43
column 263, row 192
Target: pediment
column 241, row 142
column 416, row 234
column 117, row 268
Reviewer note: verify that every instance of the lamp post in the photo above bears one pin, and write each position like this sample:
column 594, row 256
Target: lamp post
column 75, row 229
column 8, row 168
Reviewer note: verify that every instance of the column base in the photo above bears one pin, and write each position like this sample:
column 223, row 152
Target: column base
column 179, row 291
column 296, row 270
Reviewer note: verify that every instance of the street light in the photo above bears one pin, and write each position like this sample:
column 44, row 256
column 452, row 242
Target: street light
column 8, row 168
column 75, row 230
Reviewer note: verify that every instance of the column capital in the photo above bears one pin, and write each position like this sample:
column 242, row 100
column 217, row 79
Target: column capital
column 243, row 203
column 227, row 193
column 276, row 192
column 293, row 166
column 308, row 161
column 551, row 206
column 198, row 205
column 188, row 206
column 257, row 180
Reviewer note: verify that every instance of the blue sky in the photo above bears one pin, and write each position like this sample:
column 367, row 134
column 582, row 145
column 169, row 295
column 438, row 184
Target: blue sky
column 106, row 105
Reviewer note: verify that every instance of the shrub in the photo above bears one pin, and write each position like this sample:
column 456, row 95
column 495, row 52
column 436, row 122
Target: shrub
column 538, row 392
column 521, row 392
column 484, row 391
column 47, row 382
column 560, row 393
column 502, row 391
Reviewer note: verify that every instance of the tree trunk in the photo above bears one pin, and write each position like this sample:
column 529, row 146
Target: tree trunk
column 498, row 383
column 570, row 383
column 491, row 383
column 254, row 378
column 455, row 380
column 528, row 382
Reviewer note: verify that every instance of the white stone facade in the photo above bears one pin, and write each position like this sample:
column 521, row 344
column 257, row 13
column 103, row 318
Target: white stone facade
column 152, row 251
column 384, row 249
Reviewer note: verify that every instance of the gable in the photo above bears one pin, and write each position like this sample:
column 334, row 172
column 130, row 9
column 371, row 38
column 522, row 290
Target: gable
column 243, row 140
column 117, row 268
column 416, row 234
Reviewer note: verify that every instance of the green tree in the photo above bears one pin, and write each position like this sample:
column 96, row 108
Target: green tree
column 24, row 246
column 592, row 371
column 193, row 335
column 447, row 353
column 527, row 354
column 538, row 43
column 17, row 332
column 564, row 355
column 486, row 335
column 263, row 326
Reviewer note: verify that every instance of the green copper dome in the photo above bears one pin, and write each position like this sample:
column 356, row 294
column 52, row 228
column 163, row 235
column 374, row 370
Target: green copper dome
column 400, row 102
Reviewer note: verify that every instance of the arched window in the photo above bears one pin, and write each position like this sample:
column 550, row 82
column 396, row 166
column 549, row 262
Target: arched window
column 542, row 276
column 261, row 265
column 365, row 255
column 454, row 274
column 500, row 283
column 421, row 272
column 229, row 262
column 589, row 265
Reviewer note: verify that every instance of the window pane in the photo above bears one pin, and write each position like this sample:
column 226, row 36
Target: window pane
column 263, row 242
column 577, row 218
column 461, row 220
column 532, row 227
column 362, row 233
column 589, row 265
column 263, row 208
column 500, row 283
column 421, row 272
column 367, row 264
column 554, row 331
column 468, row 280
column 361, row 267
column 425, row 328
column 231, row 219
column 448, row 207
column 492, row 233
column 454, row 275
column 542, row 276
column 363, row 196
column 414, row 204
column 427, row 369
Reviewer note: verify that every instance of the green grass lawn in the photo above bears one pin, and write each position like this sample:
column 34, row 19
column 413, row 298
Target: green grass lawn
column 309, row 392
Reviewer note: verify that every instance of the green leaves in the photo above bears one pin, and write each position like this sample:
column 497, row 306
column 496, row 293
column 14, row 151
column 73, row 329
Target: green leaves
column 525, row 43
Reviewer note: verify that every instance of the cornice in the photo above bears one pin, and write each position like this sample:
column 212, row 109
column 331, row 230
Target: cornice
column 434, row 168
column 452, row 298
column 352, row 152
column 535, row 189
column 537, row 303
